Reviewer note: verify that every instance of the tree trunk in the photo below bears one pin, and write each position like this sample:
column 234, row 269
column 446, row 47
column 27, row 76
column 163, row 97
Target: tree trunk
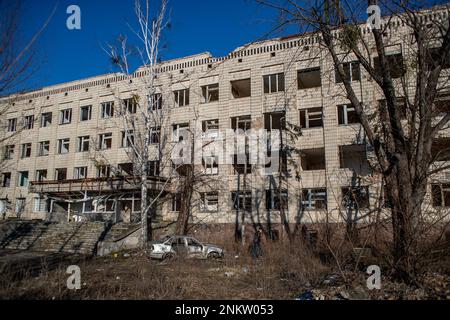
column 144, row 214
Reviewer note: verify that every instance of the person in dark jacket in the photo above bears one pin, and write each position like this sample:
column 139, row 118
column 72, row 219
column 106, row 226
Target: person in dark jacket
column 256, row 249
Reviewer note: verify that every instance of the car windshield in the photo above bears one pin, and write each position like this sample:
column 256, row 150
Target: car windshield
column 193, row 242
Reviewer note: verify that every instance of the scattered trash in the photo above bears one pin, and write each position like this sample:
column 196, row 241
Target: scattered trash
column 307, row 295
column 229, row 274
column 245, row 269
column 115, row 255
column 117, row 278
column 126, row 255
column 259, row 289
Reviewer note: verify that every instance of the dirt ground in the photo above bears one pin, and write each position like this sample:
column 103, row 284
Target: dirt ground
column 131, row 275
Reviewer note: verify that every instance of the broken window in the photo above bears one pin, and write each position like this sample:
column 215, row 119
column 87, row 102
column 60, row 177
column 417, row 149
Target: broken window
column 242, row 122
column 176, row 202
column 12, row 125
column 6, row 179
column 65, row 116
column 351, row 70
column 209, row 201
column 26, row 150
column 210, row 128
column 311, row 118
column 41, row 205
column 313, row 159
column 241, row 161
column 85, row 113
column 127, row 138
column 354, row 157
column 210, row 93
column 273, row 82
column 355, row 197
column 442, row 103
column 107, row 110
column 181, row 97
column 309, row 78
column 440, row 194
column 41, row 175
column 435, row 57
column 46, row 119
column 180, row 132
column 241, row 88
column 153, row 168
column 440, row 149
column 125, row 169
column 23, row 179
column 29, row 122
column 44, row 148
column 61, row 174
column 242, row 200
column 314, row 198
column 347, row 114
column 83, row 144
column 155, row 134
column 105, row 141
column 401, row 109
column 394, row 63
column 103, row 171
column 210, row 164
column 156, row 102
column 276, row 200
column 63, row 146
column 275, row 121
column 9, row 152
column 80, row 173
column 129, row 106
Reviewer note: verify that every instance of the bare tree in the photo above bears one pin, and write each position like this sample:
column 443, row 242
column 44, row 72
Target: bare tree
column 404, row 149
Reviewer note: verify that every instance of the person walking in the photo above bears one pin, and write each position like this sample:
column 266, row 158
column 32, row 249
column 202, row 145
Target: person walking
column 256, row 249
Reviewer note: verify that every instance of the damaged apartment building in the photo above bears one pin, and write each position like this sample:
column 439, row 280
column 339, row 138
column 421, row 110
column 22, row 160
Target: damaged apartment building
column 65, row 156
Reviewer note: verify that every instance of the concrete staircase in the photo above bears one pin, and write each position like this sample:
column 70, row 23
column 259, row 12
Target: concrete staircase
column 80, row 238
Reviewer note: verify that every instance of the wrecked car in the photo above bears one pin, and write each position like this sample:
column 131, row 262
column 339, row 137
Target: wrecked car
column 184, row 246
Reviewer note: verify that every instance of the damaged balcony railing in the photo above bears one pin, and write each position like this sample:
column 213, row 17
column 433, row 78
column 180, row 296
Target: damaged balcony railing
column 98, row 184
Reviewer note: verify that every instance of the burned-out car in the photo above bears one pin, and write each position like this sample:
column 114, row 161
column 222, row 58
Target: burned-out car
column 184, row 246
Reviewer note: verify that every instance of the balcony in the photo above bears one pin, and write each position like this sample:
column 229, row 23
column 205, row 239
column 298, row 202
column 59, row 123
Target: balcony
column 113, row 184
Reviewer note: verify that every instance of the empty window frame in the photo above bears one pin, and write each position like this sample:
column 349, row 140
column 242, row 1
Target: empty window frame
column 83, row 144
column 355, row 198
column 65, row 116
column 210, row 92
column 176, row 202
column 180, row 132
column 6, row 179
column 107, row 110
column 23, row 179
column 311, row 118
column 103, row 171
column 41, row 204
column 61, row 174
column 241, row 88
column 273, row 82
column 181, row 97
column 242, row 200
column 9, row 152
column 46, row 119
column 314, row 199
column 276, row 200
column 210, row 128
column 210, row 164
column 155, row 134
column 130, row 105
column 435, row 56
column 153, row 168
column 352, row 72
column 63, row 146
column 309, row 78
column 29, row 122
column 394, row 63
column 26, row 150
column 242, row 122
column 347, row 114
column 440, row 194
column 209, row 201
column 44, row 148
column 105, row 141
column 442, row 103
column 125, row 169
column 156, row 102
column 80, row 173
column 440, row 149
column 12, row 125
column 85, row 113
column 354, row 157
column 127, row 138
column 401, row 109
column 313, row 159
column 41, row 175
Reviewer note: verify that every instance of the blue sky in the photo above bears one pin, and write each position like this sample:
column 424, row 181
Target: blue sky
column 196, row 26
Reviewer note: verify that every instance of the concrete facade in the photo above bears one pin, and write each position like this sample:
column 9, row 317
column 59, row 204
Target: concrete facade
column 332, row 151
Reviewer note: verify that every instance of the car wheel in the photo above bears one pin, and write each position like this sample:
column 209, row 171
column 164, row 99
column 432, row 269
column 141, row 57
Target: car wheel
column 169, row 256
column 213, row 256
